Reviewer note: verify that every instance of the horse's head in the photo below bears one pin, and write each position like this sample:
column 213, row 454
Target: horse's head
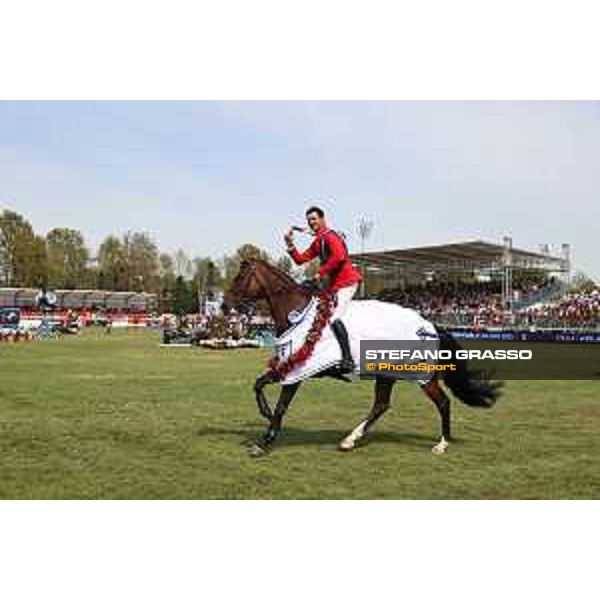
column 257, row 279
column 246, row 284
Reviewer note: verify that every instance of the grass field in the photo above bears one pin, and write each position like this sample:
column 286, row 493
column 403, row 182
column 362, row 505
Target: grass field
column 117, row 416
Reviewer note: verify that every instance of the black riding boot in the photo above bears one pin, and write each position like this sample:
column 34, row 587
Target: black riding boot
column 347, row 364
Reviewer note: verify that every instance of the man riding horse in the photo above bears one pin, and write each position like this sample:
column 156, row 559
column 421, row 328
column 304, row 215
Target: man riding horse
column 258, row 279
column 337, row 272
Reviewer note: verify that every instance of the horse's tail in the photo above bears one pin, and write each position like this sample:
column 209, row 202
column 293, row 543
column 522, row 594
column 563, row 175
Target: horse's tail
column 474, row 388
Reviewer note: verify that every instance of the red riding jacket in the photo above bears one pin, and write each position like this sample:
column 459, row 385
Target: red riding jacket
column 335, row 261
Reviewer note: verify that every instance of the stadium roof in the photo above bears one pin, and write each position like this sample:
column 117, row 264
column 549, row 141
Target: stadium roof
column 461, row 256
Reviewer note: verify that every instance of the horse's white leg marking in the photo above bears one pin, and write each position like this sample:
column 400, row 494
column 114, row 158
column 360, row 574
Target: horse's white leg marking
column 348, row 442
column 440, row 447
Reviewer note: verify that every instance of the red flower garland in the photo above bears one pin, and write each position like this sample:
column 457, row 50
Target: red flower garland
column 278, row 369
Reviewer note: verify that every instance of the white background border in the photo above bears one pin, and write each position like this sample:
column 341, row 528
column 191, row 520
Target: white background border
column 301, row 50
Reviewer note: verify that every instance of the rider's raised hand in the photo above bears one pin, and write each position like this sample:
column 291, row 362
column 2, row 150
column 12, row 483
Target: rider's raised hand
column 289, row 238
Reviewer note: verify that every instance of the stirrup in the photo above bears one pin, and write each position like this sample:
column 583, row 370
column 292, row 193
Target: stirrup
column 346, row 365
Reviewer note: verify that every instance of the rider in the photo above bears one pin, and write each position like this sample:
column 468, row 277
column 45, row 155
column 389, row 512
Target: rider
column 337, row 269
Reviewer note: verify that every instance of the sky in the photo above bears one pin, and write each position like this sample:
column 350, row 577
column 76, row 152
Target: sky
column 208, row 176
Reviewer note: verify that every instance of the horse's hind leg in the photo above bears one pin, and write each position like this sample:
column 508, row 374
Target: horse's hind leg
column 383, row 393
column 442, row 403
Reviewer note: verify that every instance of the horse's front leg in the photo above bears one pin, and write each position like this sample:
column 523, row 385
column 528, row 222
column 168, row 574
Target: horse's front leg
column 285, row 399
column 261, row 401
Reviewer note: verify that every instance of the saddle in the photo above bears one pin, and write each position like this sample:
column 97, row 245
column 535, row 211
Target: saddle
column 313, row 287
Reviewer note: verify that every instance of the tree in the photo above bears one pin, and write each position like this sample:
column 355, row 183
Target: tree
column 91, row 276
column 184, row 301
column 37, row 265
column 207, row 278
column 286, row 264
column 214, row 277
column 67, row 258
column 111, row 264
column 167, row 282
column 249, row 251
column 141, row 261
column 231, row 264
column 22, row 259
column 182, row 264
column 129, row 264
column 166, row 270
column 206, row 275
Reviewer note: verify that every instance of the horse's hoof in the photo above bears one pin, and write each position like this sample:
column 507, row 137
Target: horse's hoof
column 346, row 446
column 440, row 448
column 256, row 451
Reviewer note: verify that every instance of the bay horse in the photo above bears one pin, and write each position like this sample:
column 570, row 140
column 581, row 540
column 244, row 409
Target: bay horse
column 260, row 280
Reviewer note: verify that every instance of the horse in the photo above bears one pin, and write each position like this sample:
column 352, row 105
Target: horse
column 259, row 280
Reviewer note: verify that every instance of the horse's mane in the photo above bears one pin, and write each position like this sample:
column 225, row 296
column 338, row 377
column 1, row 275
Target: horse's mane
column 287, row 281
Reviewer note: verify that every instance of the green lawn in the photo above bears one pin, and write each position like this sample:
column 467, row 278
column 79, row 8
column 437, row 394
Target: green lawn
column 117, row 416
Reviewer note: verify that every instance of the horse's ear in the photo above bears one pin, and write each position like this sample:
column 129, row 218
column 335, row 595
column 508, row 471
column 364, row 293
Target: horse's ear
column 245, row 265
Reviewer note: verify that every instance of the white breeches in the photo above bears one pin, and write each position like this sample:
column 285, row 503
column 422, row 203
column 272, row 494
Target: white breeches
column 344, row 296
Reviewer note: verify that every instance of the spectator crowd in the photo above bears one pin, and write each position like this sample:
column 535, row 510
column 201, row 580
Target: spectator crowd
column 479, row 304
column 576, row 309
column 462, row 304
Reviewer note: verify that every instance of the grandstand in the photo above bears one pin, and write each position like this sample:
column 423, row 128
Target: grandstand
column 466, row 283
column 454, row 262
column 81, row 299
column 86, row 307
